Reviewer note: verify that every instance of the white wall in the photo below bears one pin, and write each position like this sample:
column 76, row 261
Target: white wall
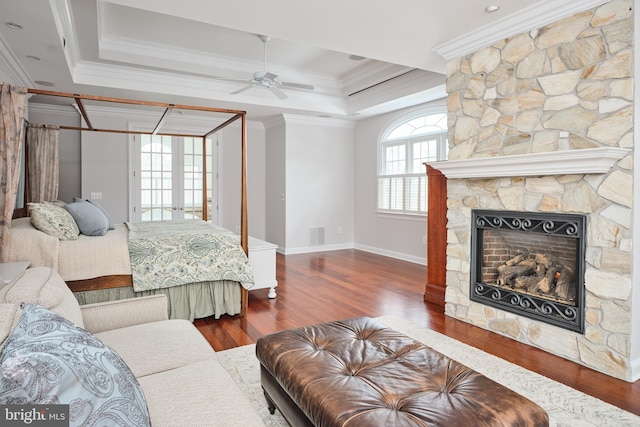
column 229, row 169
column 393, row 235
column 635, row 313
column 275, row 183
column 319, row 182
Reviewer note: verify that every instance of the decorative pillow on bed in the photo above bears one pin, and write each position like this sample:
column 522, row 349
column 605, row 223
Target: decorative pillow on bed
column 102, row 209
column 53, row 220
column 49, row 360
column 90, row 220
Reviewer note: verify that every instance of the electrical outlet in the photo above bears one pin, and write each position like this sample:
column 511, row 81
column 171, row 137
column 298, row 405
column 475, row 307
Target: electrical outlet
column 96, row 195
column 340, row 230
column 424, row 239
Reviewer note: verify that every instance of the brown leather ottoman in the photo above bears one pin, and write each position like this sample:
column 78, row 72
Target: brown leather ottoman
column 358, row 372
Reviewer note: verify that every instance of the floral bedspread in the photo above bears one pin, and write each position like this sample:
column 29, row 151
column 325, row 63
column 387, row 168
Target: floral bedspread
column 172, row 253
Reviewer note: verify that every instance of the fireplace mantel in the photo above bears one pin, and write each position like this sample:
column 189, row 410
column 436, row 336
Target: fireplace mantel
column 583, row 161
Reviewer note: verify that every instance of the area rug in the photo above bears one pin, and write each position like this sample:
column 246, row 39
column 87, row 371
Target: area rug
column 565, row 406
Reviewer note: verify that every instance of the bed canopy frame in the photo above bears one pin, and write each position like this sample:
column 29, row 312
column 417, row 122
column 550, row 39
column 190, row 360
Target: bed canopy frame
column 233, row 116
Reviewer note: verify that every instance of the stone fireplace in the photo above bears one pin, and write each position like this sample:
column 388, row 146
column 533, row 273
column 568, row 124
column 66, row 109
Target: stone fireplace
column 530, row 264
column 542, row 122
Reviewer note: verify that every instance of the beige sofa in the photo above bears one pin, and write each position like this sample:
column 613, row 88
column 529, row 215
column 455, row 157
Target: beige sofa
column 183, row 383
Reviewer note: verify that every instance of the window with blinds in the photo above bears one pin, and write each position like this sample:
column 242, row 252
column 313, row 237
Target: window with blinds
column 406, row 146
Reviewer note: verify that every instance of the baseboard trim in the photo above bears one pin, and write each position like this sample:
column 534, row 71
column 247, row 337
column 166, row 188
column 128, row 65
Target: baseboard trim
column 392, row 254
column 635, row 370
column 311, row 249
column 371, row 249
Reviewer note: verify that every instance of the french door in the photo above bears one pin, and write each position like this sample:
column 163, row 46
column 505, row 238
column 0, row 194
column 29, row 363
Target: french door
column 168, row 175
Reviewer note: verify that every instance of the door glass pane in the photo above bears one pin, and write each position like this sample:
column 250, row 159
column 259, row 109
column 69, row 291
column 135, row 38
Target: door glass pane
column 192, row 178
column 155, row 178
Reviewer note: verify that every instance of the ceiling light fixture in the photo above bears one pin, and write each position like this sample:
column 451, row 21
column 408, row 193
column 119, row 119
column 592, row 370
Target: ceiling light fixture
column 492, row 8
column 14, row 26
column 356, row 57
column 35, row 58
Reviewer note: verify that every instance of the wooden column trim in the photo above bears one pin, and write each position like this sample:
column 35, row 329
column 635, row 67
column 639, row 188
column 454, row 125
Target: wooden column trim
column 436, row 237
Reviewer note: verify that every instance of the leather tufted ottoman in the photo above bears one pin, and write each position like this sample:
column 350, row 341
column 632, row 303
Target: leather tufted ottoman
column 358, row 372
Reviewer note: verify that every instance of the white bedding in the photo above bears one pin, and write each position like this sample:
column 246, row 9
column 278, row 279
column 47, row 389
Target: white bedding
column 95, row 256
column 86, row 258
column 29, row 244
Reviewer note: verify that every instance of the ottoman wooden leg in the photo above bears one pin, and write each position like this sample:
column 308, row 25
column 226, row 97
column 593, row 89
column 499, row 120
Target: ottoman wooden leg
column 270, row 405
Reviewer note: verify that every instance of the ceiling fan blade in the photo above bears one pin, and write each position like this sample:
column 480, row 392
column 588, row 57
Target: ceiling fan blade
column 277, row 92
column 243, row 89
column 296, row 85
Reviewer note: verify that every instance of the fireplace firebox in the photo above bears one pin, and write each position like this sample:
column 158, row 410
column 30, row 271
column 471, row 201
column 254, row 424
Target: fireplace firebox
column 531, row 264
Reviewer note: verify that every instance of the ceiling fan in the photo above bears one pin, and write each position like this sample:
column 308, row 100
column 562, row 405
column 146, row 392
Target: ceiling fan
column 268, row 80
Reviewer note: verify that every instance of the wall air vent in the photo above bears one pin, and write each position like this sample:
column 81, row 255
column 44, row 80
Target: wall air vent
column 316, row 236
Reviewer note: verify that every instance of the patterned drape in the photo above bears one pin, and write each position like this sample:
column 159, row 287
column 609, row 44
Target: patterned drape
column 44, row 164
column 13, row 107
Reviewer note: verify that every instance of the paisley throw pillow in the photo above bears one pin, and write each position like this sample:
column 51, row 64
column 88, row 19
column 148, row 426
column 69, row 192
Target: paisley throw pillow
column 49, row 360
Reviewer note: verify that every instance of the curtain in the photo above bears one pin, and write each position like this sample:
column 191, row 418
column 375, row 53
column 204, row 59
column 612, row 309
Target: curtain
column 13, row 107
column 44, row 164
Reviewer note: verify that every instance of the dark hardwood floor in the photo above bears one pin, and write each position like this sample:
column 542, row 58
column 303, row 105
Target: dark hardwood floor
column 326, row 286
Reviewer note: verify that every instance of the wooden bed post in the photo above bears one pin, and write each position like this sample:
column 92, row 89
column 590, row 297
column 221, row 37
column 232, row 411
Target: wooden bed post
column 244, row 225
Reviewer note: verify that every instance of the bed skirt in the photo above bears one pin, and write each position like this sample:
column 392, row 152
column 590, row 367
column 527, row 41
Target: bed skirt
column 191, row 301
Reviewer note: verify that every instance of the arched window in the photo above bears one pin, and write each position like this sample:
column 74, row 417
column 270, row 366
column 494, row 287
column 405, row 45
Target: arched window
column 404, row 148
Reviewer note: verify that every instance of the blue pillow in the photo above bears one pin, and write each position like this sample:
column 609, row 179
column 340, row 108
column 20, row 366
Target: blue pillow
column 91, row 222
column 49, row 360
column 102, row 209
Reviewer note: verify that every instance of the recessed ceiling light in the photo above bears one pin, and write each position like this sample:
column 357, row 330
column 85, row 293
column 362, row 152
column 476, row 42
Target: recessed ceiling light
column 356, row 57
column 44, row 83
column 14, row 26
column 492, row 8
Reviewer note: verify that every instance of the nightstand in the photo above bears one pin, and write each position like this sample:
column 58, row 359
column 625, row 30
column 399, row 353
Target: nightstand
column 10, row 270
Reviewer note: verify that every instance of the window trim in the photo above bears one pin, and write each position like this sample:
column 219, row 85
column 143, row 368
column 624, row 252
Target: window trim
column 384, row 141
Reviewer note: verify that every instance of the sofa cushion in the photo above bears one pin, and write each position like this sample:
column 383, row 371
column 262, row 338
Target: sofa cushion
column 49, row 360
column 43, row 286
column 206, row 386
column 177, row 341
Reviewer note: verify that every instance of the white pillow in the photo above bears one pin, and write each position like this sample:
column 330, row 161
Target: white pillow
column 53, row 220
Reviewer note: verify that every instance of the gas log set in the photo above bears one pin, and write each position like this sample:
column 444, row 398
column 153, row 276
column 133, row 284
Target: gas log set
column 538, row 274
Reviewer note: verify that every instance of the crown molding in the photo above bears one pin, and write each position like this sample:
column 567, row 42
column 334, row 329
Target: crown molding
column 537, row 15
column 12, row 67
column 410, row 84
column 318, row 121
column 66, row 110
column 568, row 162
column 63, row 18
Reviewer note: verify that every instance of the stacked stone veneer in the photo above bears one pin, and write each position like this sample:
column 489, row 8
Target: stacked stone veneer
column 566, row 86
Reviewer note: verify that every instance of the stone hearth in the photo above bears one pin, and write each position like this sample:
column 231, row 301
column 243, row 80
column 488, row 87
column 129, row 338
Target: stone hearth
column 559, row 90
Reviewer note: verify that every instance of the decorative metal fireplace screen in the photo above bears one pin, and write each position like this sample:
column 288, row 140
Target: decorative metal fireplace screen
column 531, row 264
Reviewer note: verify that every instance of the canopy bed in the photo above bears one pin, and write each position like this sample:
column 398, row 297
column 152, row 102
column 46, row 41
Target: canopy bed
column 98, row 268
